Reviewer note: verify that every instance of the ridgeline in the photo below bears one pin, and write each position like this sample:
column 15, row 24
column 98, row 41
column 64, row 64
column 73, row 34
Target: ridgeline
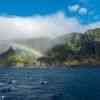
column 72, row 49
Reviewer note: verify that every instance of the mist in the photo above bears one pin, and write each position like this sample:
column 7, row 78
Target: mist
column 14, row 27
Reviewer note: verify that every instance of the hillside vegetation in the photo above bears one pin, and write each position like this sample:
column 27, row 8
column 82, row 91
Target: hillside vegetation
column 70, row 49
column 78, row 48
column 19, row 55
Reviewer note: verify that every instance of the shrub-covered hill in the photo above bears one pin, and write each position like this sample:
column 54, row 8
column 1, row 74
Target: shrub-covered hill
column 83, row 47
column 72, row 48
column 19, row 54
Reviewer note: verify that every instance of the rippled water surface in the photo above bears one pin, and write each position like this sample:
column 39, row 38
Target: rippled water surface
column 50, row 84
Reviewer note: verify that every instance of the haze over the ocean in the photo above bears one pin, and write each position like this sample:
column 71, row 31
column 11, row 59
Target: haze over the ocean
column 43, row 18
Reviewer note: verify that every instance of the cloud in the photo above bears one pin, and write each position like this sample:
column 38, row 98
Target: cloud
column 57, row 24
column 74, row 8
column 83, row 11
column 78, row 9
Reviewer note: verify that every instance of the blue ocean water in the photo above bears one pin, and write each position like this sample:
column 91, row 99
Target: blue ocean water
column 50, row 84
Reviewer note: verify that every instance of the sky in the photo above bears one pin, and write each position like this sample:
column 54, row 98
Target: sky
column 47, row 18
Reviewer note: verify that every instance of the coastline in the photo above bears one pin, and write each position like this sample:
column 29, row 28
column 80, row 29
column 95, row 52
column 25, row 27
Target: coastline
column 52, row 66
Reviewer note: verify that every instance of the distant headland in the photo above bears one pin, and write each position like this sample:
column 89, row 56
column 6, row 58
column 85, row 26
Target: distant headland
column 70, row 49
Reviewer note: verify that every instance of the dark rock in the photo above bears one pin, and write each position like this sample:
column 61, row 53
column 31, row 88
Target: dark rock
column 43, row 82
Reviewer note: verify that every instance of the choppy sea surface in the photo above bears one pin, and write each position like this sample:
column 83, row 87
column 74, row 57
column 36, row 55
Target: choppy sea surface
column 50, row 84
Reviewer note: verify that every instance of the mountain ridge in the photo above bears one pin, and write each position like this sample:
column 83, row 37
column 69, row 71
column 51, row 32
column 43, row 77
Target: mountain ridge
column 79, row 47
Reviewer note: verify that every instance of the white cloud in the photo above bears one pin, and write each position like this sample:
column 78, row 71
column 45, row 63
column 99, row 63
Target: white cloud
column 83, row 11
column 74, row 8
column 40, row 26
column 78, row 9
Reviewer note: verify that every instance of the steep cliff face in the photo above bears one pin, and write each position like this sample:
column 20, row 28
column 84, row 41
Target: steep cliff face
column 78, row 47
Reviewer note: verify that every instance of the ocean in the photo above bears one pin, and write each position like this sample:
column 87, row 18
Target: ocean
column 50, row 84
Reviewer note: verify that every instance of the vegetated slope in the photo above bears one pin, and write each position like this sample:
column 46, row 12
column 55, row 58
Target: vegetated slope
column 83, row 47
column 19, row 54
